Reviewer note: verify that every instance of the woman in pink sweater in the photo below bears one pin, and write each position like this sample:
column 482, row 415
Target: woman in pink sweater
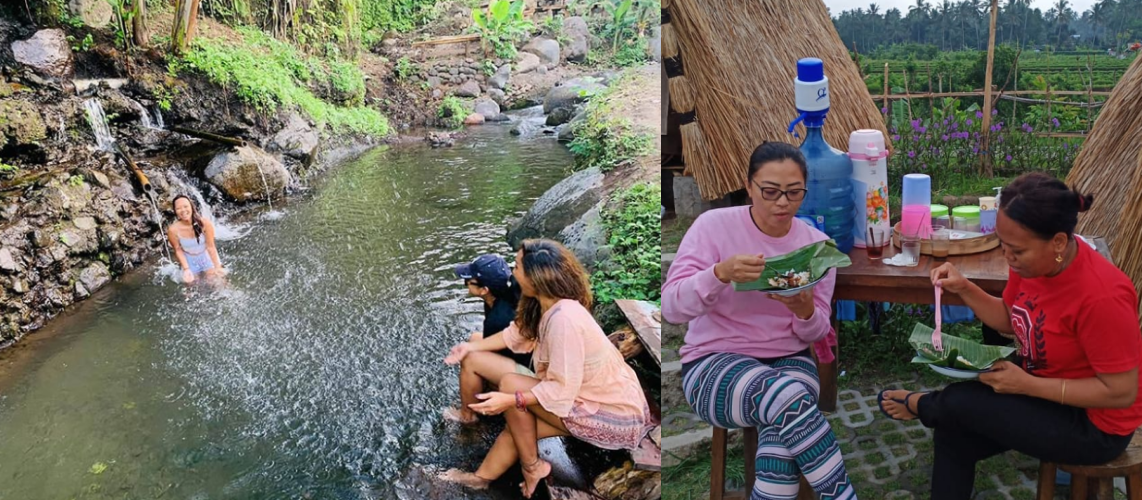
column 746, row 359
column 582, row 386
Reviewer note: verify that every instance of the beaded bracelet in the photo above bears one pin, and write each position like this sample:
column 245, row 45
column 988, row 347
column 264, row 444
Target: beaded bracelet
column 519, row 404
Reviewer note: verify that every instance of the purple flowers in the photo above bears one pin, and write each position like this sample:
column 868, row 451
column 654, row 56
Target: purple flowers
column 1008, row 158
column 944, row 137
column 895, row 137
column 916, row 125
column 884, row 111
column 911, row 154
column 1055, row 122
column 1027, row 128
column 994, row 112
column 923, row 129
column 978, row 114
column 969, row 122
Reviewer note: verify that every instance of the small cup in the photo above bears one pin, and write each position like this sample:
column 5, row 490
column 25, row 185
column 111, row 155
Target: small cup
column 876, row 242
column 941, row 243
column 910, row 248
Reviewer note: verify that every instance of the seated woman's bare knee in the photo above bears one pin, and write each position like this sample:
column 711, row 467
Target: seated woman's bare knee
column 488, row 365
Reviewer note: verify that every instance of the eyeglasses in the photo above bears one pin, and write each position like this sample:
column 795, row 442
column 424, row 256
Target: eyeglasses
column 773, row 194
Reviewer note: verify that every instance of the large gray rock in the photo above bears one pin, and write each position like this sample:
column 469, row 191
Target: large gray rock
column 46, row 52
column 239, row 173
column 94, row 13
column 526, row 62
column 571, row 92
column 559, row 116
column 567, row 130
column 688, row 200
column 469, row 89
column 500, row 79
column 8, row 262
column 434, row 82
column 587, row 237
column 575, row 28
column 488, row 108
column 297, row 139
column 561, row 206
column 497, row 95
column 94, row 276
column 547, row 50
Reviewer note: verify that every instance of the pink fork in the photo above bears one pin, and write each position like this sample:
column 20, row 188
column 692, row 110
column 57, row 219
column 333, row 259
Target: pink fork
column 937, row 341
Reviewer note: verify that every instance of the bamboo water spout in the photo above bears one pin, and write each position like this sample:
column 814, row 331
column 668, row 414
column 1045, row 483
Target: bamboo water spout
column 209, row 137
column 139, row 175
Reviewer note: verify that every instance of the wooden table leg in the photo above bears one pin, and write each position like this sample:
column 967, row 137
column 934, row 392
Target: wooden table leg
column 827, row 402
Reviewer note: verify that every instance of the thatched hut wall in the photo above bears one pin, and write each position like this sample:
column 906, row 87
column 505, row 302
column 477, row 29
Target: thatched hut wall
column 1110, row 167
column 738, row 67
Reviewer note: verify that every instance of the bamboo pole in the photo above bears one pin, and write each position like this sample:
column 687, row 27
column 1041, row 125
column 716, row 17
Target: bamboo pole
column 1015, row 104
column 931, row 103
column 209, row 137
column 885, row 100
column 907, row 98
column 985, row 124
column 1089, row 89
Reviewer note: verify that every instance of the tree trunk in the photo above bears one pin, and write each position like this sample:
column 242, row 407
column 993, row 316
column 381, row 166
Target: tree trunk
column 186, row 18
column 141, row 32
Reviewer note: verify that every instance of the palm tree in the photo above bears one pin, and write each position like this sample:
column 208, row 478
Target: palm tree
column 919, row 16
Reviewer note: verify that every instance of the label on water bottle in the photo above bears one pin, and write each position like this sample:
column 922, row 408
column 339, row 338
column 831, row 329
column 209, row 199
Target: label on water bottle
column 817, row 221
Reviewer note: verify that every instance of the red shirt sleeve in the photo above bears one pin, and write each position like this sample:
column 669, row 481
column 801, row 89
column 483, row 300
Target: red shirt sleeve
column 1108, row 330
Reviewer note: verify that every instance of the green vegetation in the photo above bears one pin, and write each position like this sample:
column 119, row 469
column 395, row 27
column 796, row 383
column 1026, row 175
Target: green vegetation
column 604, row 139
column 632, row 225
column 268, row 74
column 451, row 112
column 404, row 68
column 503, row 25
column 8, row 171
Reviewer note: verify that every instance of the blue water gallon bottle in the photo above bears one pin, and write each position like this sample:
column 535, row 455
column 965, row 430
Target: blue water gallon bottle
column 830, row 186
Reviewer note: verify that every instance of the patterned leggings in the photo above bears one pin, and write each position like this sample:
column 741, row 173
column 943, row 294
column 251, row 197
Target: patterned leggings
column 780, row 399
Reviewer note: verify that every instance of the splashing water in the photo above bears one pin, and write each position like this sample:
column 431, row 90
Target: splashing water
column 266, row 185
column 531, row 122
column 144, row 115
column 223, row 231
column 159, row 118
column 98, row 122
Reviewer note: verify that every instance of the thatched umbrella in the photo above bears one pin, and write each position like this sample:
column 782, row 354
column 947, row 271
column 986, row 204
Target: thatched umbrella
column 1106, row 166
column 1129, row 248
column 735, row 88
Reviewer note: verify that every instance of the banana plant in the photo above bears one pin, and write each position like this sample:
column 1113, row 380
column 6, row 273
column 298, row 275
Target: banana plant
column 502, row 24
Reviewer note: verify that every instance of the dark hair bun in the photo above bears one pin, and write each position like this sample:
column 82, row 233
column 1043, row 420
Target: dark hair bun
column 1085, row 201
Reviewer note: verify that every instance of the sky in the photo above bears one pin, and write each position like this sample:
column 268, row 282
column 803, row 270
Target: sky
column 838, row 6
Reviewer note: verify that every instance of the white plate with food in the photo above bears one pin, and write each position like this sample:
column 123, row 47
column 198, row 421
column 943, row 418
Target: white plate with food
column 959, row 373
column 789, row 292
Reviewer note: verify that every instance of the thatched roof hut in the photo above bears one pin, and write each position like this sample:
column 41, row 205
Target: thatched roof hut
column 1110, row 167
column 731, row 71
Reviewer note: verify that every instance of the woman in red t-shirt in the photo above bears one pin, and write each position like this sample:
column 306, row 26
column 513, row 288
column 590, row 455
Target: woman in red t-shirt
column 1074, row 317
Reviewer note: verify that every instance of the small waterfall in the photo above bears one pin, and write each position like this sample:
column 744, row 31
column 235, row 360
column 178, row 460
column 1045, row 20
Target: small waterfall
column 159, row 118
column 144, row 115
column 158, row 218
column 222, row 230
column 267, row 186
column 98, row 121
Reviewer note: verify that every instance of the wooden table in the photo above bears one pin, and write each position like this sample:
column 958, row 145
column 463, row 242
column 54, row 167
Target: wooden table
column 874, row 281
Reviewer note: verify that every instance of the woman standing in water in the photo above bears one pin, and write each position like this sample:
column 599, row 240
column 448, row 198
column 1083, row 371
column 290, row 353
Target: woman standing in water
column 582, row 387
column 192, row 237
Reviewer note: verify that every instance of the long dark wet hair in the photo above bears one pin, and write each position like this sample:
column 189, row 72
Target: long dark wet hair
column 554, row 272
column 195, row 219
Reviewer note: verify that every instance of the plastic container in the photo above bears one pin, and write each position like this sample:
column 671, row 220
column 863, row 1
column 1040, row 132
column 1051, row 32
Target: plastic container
column 940, row 216
column 917, row 200
column 870, row 184
column 988, row 210
column 830, row 171
column 970, row 214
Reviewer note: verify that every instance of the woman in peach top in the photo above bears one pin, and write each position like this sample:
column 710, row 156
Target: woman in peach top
column 582, row 387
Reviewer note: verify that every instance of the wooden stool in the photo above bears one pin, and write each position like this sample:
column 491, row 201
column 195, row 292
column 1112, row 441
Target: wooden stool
column 1097, row 481
column 718, row 468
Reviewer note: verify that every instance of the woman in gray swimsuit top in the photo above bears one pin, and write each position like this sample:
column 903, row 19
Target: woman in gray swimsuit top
column 192, row 237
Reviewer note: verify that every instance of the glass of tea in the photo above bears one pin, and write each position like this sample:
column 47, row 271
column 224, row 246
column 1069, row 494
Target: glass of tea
column 941, row 242
column 876, row 241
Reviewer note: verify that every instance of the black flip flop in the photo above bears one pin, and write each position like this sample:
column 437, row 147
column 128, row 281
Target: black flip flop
column 880, row 399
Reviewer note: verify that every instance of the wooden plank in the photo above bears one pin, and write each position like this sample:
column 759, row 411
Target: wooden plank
column 473, row 37
column 642, row 317
column 980, row 93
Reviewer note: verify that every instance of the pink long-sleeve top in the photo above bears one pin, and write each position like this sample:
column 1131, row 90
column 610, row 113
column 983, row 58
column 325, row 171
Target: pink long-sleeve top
column 723, row 320
column 578, row 368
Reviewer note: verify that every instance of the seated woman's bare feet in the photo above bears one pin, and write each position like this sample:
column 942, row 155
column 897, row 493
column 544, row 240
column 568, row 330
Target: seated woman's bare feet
column 463, row 478
column 533, row 474
column 900, row 404
column 460, row 416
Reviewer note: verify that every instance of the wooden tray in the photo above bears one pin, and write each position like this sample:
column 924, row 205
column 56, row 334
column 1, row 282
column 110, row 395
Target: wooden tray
column 958, row 247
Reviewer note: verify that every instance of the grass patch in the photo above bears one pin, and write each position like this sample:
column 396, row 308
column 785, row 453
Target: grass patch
column 451, row 112
column 605, row 140
column 893, row 438
column 634, row 270
column 672, row 232
column 270, row 74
